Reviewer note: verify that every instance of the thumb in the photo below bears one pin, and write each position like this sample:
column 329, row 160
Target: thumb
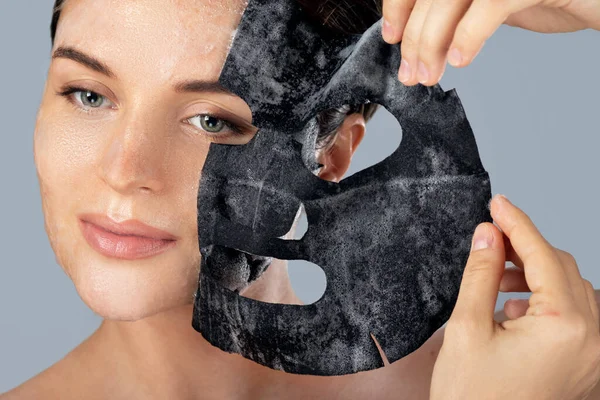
column 481, row 278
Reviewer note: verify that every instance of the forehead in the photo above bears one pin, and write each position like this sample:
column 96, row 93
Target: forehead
column 153, row 39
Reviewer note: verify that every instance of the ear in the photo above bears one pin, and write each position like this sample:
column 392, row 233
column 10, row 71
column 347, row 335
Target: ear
column 336, row 158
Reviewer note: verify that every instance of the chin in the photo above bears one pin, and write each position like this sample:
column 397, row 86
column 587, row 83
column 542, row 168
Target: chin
column 132, row 290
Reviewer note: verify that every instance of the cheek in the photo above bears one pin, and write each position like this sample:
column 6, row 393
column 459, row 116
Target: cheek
column 63, row 168
column 68, row 155
column 64, row 159
column 65, row 153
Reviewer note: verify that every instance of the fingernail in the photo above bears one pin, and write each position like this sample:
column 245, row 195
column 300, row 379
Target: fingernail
column 422, row 73
column 404, row 73
column 388, row 31
column 454, row 57
column 482, row 238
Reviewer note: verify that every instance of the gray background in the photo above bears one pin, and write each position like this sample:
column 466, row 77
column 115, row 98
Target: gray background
column 533, row 101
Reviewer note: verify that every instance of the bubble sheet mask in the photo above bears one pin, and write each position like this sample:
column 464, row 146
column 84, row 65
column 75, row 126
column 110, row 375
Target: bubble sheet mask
column 392, row 239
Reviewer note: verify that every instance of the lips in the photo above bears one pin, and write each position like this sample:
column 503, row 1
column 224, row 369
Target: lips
column 129, row 240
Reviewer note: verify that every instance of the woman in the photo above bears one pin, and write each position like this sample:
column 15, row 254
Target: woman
column 121, row 135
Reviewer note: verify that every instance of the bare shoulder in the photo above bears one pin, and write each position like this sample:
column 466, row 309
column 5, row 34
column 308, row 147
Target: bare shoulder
column 35, row 388
column 41, row 386
column 59, row 381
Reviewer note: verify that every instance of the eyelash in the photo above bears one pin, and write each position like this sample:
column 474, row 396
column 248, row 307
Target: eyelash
column 67, row 91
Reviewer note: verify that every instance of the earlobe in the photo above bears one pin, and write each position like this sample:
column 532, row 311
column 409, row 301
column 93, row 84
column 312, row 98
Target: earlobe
column 336, row 159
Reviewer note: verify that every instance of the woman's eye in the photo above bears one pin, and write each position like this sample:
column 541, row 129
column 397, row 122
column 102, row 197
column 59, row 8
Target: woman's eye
column 222, row 130
column 84, row 99
column 90, row 99
column 211, row 124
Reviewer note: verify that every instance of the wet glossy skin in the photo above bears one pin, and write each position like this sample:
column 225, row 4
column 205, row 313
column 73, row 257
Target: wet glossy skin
column 138, row 153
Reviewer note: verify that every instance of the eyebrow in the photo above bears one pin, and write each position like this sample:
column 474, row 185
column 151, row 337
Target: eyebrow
column 190, row 86
column 72, row 53
column 201, row 86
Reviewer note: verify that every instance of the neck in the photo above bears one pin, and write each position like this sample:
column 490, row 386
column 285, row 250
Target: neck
column 165, row 355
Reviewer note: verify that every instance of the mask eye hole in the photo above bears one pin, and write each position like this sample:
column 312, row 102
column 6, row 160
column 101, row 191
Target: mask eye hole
column 337, row 133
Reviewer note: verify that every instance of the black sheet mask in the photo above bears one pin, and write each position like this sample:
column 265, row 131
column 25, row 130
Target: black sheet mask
column 392, row 239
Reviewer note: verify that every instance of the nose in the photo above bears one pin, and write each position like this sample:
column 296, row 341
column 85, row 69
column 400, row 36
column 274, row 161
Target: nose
column 135, row 156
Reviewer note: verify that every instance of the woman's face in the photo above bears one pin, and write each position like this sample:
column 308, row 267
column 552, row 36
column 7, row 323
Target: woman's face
column 122, row 134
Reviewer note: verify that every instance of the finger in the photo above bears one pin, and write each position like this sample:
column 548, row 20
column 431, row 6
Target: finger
column 516, row 308
column 536, row 19
column 513, row 280
column 478, row 291
column 410, row 43
column 591, row 301
column 544, row 272
column 436, row 35
column 578, row 289
column 395, row 16
column 511, row 254
column 479, row 23
column 594, row 298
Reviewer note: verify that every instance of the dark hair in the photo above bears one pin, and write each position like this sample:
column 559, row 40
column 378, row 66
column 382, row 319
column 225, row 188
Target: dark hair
column 344, row 16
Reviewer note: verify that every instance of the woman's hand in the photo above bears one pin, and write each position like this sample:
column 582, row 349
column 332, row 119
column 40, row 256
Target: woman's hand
column 432, row 31
column 549, row 348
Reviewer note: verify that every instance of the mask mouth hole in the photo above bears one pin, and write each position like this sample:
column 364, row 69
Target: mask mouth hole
column 308, row 280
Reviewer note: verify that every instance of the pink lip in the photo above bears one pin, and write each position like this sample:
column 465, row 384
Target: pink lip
column 129, row 240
